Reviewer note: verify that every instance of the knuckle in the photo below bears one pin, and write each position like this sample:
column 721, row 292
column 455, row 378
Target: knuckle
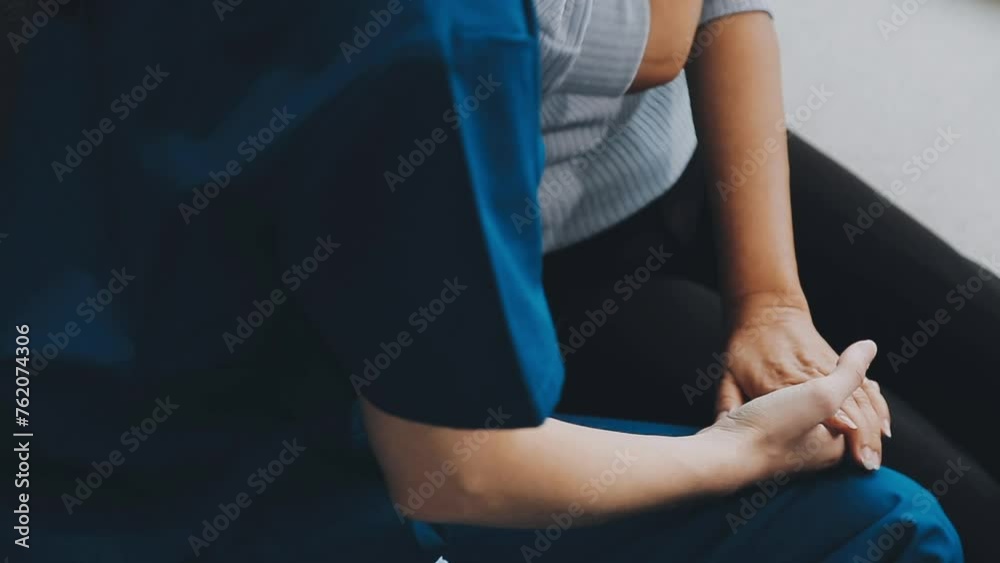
column 851, row 406
column 775, row 366
column 814, row 371
column 816, row 366
column 862, row 398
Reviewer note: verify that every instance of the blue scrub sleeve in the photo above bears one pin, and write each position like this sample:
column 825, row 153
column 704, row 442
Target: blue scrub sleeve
column 433, row 303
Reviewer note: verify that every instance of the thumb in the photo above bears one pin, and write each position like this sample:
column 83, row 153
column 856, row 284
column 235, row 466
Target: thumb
column 730, row 396
column 849, row 374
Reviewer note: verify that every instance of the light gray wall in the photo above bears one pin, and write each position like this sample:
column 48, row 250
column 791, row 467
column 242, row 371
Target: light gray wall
column 893, row 90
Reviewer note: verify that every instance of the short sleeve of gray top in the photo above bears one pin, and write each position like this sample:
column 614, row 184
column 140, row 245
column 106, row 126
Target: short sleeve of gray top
column 608, row 154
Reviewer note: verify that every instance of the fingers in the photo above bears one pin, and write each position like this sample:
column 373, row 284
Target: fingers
column 844, row 423
column 829, row 448
column 799, row 409
column 730, row 396
column 865, row 443
column 874, row 392
column 856, row 416
column 833, row 390
column 841, row 423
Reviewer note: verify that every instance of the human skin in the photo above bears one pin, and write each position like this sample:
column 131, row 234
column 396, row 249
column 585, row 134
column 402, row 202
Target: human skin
column 673, row 24
column 517, row 478
column 736, row 98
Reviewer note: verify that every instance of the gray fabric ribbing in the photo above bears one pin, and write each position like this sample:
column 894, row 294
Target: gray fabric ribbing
column 607, row 155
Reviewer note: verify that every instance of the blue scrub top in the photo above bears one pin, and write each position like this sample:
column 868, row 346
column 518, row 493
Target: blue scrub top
column 225, row 222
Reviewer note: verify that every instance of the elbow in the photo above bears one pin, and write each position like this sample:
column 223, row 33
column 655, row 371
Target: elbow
column 655, row 73
column 423, row 478
column 663, row 61
column 438, row 497
column 673, row 25
column 667, row 71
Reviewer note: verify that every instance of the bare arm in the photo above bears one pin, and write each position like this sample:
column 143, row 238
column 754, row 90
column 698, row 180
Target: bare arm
column 520, row 477
column 737, row 103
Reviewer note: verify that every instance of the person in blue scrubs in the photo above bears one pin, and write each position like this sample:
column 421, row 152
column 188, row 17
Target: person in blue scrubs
column 278, row 313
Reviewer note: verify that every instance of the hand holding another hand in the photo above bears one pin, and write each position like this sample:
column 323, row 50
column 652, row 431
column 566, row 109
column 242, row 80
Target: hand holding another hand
column 783, row 431
column 773, row 344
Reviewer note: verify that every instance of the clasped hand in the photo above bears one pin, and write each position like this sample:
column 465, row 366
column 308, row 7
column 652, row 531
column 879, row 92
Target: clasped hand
column 773, row 345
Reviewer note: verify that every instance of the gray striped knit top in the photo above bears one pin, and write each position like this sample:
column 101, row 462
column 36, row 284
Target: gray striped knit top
column 609, row 154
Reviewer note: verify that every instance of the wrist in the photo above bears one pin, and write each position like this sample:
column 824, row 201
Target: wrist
column 749, row 279
column 729, row 461
column 743, row 308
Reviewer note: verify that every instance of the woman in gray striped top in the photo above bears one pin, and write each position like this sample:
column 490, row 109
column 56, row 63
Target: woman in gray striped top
column 671, row 270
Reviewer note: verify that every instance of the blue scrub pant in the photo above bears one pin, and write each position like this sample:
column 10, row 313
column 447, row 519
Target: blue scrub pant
column 840, row 515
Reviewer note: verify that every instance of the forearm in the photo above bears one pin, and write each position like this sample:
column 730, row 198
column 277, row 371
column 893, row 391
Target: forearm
column 520, row 478
column 736, row 98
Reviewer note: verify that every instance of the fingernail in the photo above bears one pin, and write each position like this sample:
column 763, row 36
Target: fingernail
column 846, row 419
column 870, row 459
column 886, row 429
